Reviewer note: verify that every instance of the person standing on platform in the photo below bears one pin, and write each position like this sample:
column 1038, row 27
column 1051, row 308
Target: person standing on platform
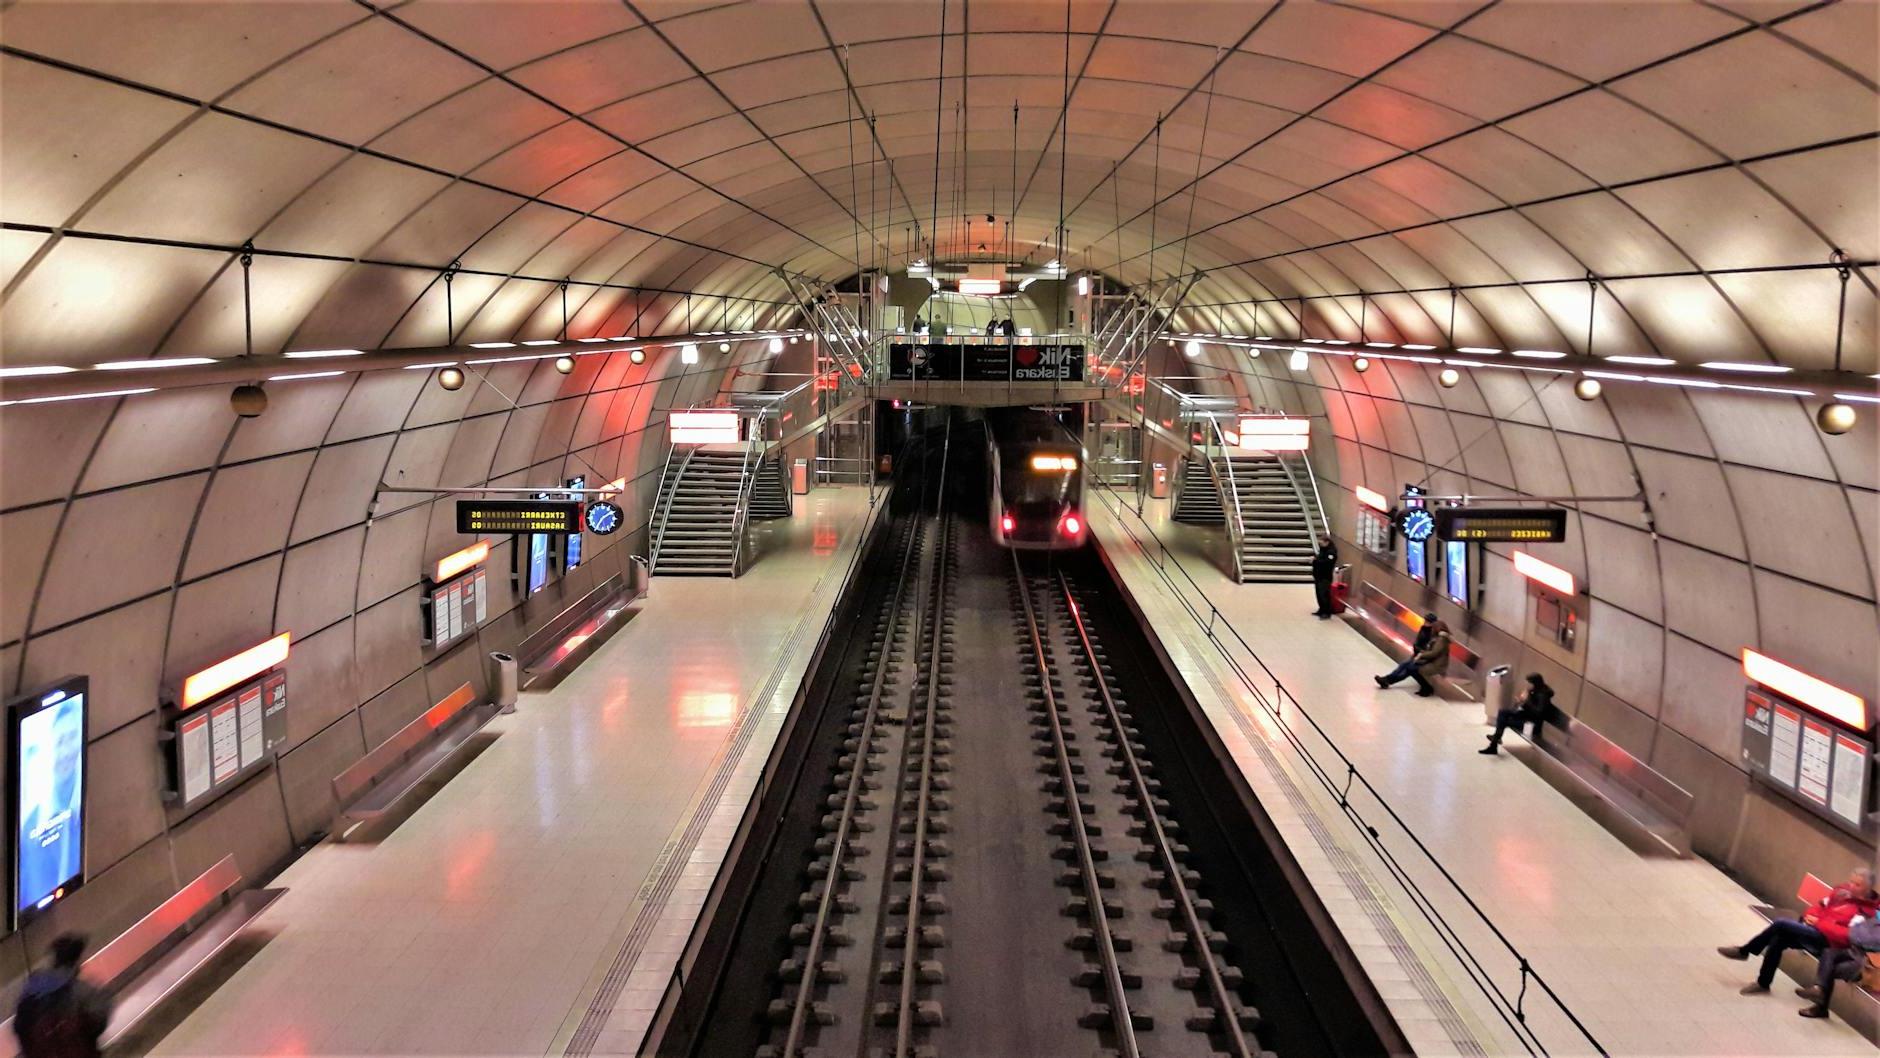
column 61, row 1015
column 1007, row 328
column 1535, row 706
column 1822, row 926
column 992, row 327
column 1324, row 563
column 920, row 326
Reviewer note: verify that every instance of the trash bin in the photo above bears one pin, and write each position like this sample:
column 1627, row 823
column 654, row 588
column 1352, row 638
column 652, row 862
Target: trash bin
column 1496, row 692
column 799, row 477
column 1158, row 484
column 505, row 678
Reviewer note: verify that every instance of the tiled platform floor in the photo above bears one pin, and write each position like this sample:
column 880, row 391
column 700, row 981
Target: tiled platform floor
column 481, row 924
column 1628, row 942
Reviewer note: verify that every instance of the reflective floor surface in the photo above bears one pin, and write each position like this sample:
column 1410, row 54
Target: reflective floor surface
column 1629, row 942
column 480, row 925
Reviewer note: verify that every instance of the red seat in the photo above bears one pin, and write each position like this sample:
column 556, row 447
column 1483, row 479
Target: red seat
column 1812, row 890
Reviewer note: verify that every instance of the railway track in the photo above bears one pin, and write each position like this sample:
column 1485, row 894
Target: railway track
column 993, row 867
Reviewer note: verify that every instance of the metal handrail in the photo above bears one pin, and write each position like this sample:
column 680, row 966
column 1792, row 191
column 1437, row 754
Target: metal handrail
column 1317, row 509
column 1236, row 520
column 1344, row 781
column 664, row 513
column 747, row 483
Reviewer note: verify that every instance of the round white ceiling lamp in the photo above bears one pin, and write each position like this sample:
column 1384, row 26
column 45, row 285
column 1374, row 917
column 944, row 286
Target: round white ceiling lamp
column 1449, row 376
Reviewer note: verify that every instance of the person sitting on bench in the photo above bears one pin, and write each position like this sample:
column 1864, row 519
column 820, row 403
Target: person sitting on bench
column 1535, row 706
column 1822, row 926
column 1841, row 964
column 1431, row 660
column 1424, row 632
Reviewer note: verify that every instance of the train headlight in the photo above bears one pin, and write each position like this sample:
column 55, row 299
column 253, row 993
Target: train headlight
column 1006, row 524
column 1072, row 525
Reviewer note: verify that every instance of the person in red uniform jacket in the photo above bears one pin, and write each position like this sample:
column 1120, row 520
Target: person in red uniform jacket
column 1822, row 926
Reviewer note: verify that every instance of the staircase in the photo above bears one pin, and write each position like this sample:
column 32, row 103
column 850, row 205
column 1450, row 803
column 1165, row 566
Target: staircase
column 770, row 493
column 698, row 525
column 1279, row 522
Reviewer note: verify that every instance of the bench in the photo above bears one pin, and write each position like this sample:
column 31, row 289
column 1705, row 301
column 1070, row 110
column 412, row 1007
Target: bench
column 1638, row 805
column 375, row 784
column 1855, row 1004
column 566, row 640
column 1392, row 627
column 154, row 958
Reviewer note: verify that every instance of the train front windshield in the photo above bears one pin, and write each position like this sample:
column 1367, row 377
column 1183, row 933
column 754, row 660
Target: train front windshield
column 1037, row 485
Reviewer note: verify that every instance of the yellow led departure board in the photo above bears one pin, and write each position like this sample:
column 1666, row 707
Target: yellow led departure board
column 1533, row 525
column 518, row 516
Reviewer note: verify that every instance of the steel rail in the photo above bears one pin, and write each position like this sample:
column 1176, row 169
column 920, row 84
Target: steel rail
column 1125, row 1027
column 832, row 879
column 910, row 943
column 1171, row 868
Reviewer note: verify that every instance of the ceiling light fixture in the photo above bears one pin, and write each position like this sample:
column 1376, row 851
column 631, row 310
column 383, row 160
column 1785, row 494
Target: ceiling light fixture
column 1298, row 361
column 427, row 367
column 1641, row 361
column 145, row 365
column 1191, row 348
column 1478, row 350
column 304, row 375
column 322, row 354
column 1749, row 369
column 78, row 396
column 542, row 341
column 492, row 345
column 23, row 372
column 1540, row 354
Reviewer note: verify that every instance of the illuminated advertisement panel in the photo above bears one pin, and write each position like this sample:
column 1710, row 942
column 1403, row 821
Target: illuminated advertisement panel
column 47, row 790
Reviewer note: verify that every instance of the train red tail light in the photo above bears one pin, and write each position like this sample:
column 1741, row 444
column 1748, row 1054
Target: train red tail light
column 1006, row 523
column 1071, row 525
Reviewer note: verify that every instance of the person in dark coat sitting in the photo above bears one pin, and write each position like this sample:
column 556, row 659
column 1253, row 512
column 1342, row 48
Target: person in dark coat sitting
column 1536, row 706
column 1424, row 632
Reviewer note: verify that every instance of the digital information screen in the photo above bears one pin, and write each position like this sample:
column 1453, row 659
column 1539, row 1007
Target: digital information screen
column 48, row 794
column 456, row 607
column 1456, row 573
column 1818, row 764
column 571, row 550
column 1414, row 552
column 220, row 742
column 538, row 563
column 990, row 362
column 518, row 516
column 1526, row 525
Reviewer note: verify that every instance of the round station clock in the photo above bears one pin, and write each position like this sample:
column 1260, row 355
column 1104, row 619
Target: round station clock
column 602, row 518
column 1418, row 525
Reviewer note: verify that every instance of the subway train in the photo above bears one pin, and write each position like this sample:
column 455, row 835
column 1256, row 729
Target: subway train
column 1035, row 474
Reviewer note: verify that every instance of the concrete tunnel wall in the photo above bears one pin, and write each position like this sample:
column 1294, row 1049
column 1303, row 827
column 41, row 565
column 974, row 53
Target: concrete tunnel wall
column 147, row 538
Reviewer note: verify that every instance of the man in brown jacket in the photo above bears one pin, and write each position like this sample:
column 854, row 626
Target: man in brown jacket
column 1431, row 660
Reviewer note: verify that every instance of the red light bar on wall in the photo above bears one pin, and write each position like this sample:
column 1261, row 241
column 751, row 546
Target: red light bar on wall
column 242, row 667
column 1823, row 697
column 1273, row 433
column 1541, row 573
column 458, row 561
column 702, row 427
column 1372, row 498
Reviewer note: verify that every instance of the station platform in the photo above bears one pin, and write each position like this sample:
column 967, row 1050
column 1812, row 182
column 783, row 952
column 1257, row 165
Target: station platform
column 537, row 902
column 1628, row 943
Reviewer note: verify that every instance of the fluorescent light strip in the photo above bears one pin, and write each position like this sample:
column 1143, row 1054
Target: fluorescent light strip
column 1812, row 691
column 1478, row 350
column 24, row 372
column 322, row 354
column 1864, row 398
column 1641, row 361
column 427, row 367
column 1784, row 390
column 543, row 341
column 597, row 339
column 513, row 359
column 1615, row 375
column 492, row 345
column 1693, row 383
column 1749, row 369
column 1419, row 347
column 144, row 365
column 79, row 396
column 1540, row 354
column 304, row 374
column 1382, row 345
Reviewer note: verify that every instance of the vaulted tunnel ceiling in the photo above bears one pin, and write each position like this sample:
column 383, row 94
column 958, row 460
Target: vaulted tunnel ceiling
column 1704, row 160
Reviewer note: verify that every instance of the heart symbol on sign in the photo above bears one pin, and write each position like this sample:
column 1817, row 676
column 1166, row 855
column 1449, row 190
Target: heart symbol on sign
column 1027, row 355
